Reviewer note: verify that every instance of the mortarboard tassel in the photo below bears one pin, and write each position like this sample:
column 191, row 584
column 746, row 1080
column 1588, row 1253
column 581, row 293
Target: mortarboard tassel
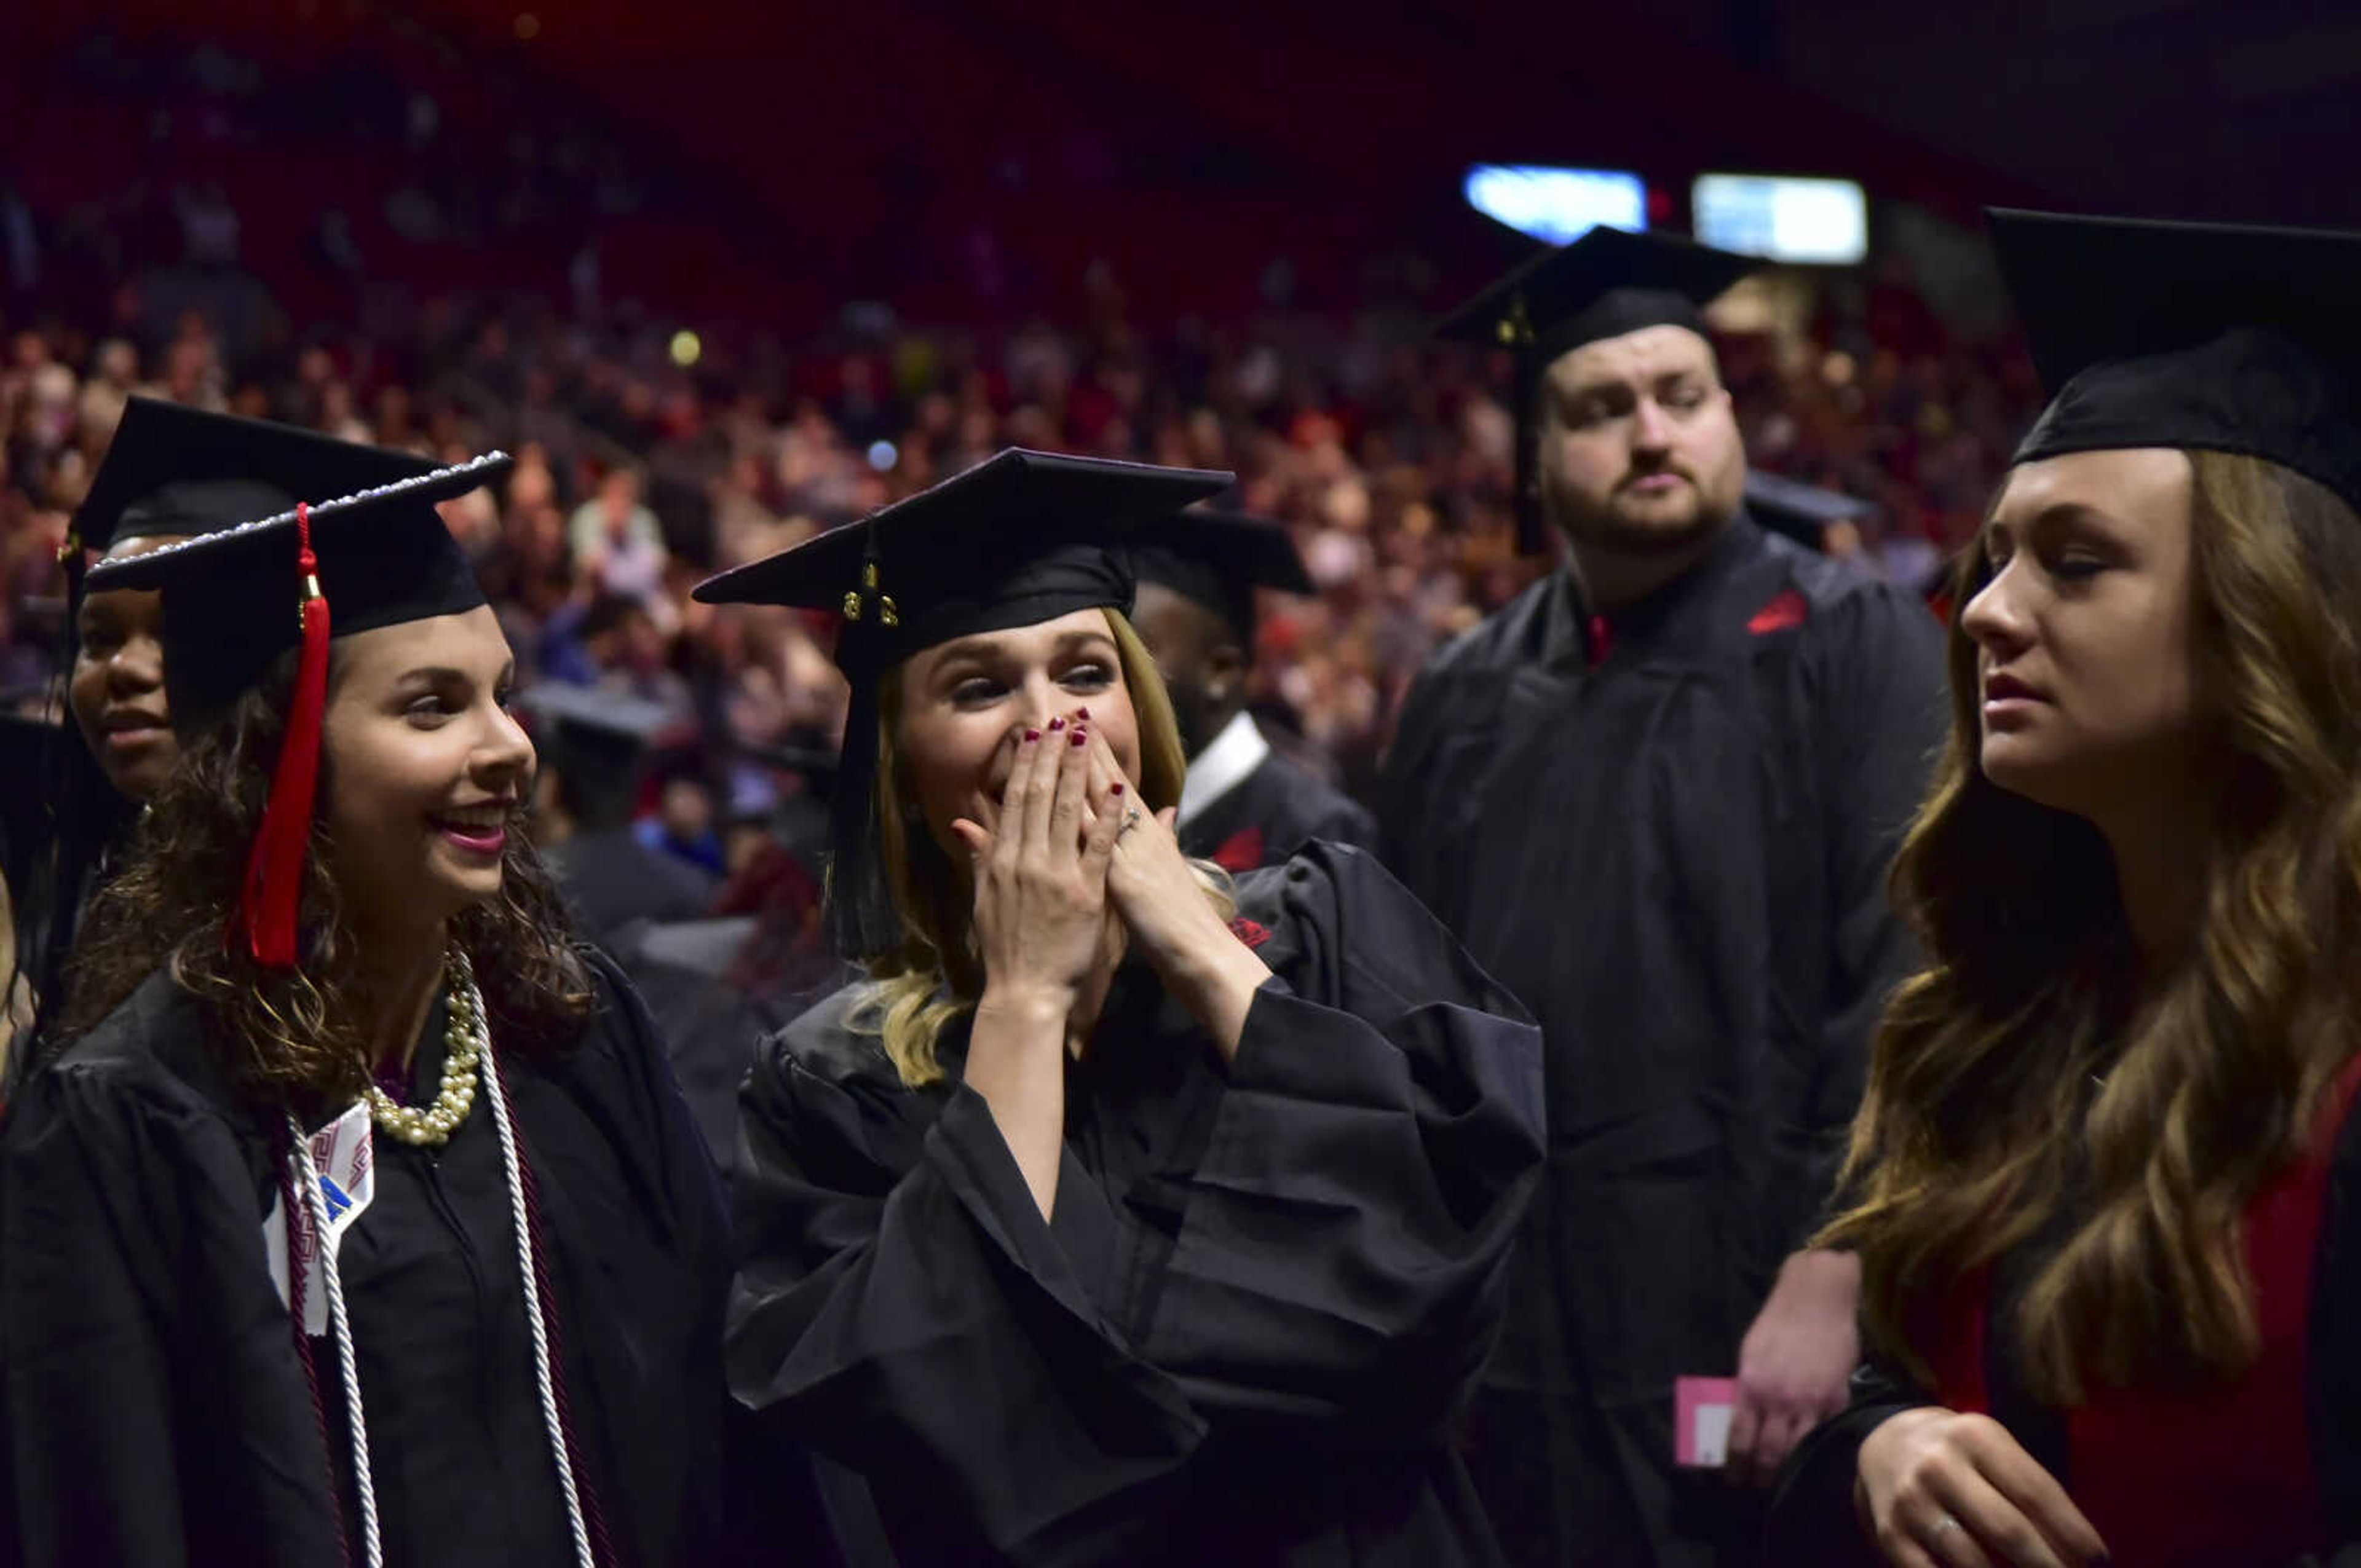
column 858, row 905
column 274, row 871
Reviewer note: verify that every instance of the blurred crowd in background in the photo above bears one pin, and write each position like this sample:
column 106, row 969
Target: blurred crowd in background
column 650, row 453
column 1387, row 459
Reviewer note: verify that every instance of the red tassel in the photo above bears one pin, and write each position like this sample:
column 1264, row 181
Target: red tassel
column 274, row 871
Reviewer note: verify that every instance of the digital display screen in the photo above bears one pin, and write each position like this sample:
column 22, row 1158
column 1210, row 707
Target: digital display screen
column 1822, row 221
column 1558, row 205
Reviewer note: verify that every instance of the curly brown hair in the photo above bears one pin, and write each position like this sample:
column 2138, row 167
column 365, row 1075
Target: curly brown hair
column 297, row 1029
column 2025, row 1062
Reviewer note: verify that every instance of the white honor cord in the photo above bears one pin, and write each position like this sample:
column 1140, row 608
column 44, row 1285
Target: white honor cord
column 315, row 1210
column 542, row 1372
column 316, row 1213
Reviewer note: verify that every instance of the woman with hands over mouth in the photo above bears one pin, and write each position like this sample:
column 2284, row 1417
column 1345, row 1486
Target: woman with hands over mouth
column 1122, row 1215
column 1071, row 872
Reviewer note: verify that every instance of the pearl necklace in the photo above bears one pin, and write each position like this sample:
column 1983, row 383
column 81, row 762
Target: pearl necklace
column 466, row 1036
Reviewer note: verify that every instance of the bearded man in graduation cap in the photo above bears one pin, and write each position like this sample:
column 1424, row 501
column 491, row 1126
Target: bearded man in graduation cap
column 1657, row 795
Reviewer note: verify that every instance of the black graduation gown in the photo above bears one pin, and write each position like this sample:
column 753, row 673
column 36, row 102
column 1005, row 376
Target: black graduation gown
column 709, row 1023
column 1265, row 1287
column 1677, row 860
column 156, row 1411
column 1813, row 1524
column 611, row 879
column 1271, row 813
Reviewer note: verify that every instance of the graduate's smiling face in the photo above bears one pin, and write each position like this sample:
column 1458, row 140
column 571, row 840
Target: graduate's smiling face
column 1640, row 449
column 964, row 704
column 426, row 769
column 2088, row 659
column 117, row 690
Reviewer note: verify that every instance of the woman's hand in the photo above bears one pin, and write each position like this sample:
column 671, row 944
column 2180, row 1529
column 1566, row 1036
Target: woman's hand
column 1040, row 912
column 1161, row 903
column 1935, row 1487
column 1040, row 874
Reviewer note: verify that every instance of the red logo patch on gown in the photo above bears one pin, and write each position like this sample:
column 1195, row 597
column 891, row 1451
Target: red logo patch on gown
column 1246, row 931
column 1782, row 613
column 1241, row 852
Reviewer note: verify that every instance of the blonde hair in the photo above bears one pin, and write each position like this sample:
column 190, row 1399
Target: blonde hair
column 2015, row 1067
column 916, row 990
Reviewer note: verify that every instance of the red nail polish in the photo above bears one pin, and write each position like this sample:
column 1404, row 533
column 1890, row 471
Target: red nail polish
column 1081, row 737
column 1115, row 789
column 1082, row 713
column 1056, row 725
column 1032, row 735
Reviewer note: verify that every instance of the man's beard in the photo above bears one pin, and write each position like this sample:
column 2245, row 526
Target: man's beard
column 1609, row 529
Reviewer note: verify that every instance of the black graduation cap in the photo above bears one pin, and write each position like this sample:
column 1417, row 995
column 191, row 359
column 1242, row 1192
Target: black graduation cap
column 1219, row 559
column 2217, row 336
column 173, row 469
column 816, row 765
column 1603, row 285
column 369, row 557
column 600, row 742
column 796, row 817
column 1021, row 538
column 384, row 557
column 1798, row 510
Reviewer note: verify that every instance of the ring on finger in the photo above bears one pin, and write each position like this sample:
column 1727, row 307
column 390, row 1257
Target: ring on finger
column 1130, row 821
column 1945, row 1524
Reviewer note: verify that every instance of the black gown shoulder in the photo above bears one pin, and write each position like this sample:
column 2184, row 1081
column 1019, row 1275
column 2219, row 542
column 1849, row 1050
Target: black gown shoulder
column 156, row 1411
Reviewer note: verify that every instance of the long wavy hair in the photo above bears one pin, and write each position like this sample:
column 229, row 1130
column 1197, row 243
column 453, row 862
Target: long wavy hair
column 2027, row 1061
column 934, row 976
column 299, row 1029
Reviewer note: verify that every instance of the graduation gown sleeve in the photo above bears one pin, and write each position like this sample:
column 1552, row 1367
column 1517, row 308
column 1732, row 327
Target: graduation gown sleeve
column 1411, row 818
column 121, row 1192
column 1447, row 735
column 87, row 1327
column 905, row 1304
column 1879, row 670
column 1812, row 1522
column 1370, row 1161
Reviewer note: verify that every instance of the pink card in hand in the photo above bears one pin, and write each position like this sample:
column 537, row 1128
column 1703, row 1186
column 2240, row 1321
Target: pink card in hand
column 1701, row 1409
